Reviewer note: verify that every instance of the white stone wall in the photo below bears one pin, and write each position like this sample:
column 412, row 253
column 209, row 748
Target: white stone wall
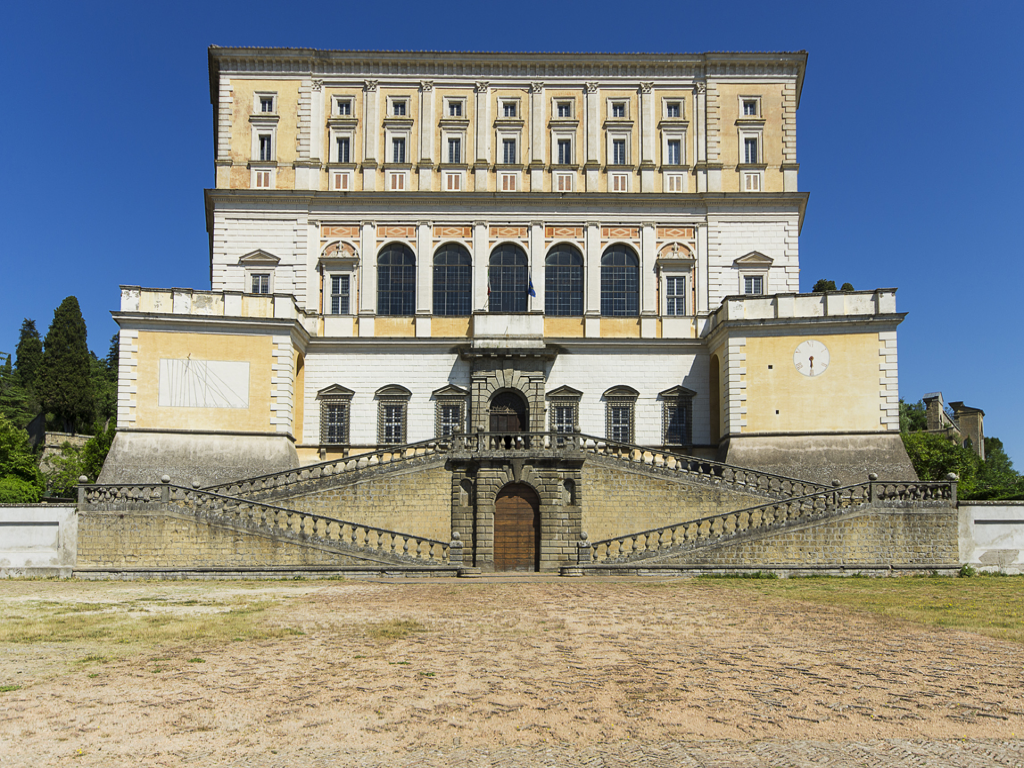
column 38, row 539
column 992, row 535
column 279, row 232
column 422, row 372
column 730, row 237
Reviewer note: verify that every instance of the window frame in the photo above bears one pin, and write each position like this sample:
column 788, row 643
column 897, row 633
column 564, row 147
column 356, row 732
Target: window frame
column 630, row 274
column 264, row 277
column 505, row 105
column 761, row 277
column 342, row 106
column 567, row 103
column 620, row 400
column 344, row 298
column 404, row 296
column 330, row 397
column 744, row 101
column 678, row 399
column 517, row 294
column 506, row 142
column 257, row 103
column 553, row 292
column 673, row 102
column 392, row 396
column 567, row 398
column 457, row 301
column 450, row 396
column 670, row 278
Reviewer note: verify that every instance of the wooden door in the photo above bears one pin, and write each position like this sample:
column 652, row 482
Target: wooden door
column 508, row 413
column 516, row 529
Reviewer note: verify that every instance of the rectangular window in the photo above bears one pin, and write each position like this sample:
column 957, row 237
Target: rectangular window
column 508, row 108
column 675, row 424
column 393, row 423
column 750, row 150
column 753, row 285
column 267, row 104
column 334, row 423
column 398, row 108
column 453, row 182
column 618, row 109
column 750, row 107
column 449, row 419
column 674, row 154
column 752, row 182
column 266, row 147
column 261, row 283
column 398, row 150
column 454, row 150
column 454, row 109
column 563, row 182
column 564, row 151
column 343, row 149
column 509, row 182
column 508, row 151
column 339, row 295
column 565, row 109
column 620, row 422
column 673, row 109
column 674, row 182
column 397, row 182
column 563, row 419
column 262, row 179
column 342, row 181
column 343, row 107
column 618, row 151
column 675, row 296
column 620, row 182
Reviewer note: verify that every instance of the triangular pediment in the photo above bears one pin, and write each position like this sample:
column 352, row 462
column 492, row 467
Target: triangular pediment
column 676, row 392
column 259, row 258
column 452, row 390
column 621, row 391
column 394, row 390
column 753, row 259
column 335, row 390
column 565, row 391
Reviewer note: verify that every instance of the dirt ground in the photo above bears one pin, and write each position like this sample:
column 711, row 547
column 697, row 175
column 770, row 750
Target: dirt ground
column 381, row 671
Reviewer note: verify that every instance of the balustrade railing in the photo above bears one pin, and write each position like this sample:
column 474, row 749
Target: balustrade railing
column 693, row 534
column 267, row 517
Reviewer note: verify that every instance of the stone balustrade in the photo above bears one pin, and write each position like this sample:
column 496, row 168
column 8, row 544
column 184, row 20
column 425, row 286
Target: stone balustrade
column 366, row 539
column 694, row 534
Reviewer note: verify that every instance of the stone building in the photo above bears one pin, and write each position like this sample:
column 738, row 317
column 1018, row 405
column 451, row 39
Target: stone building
column 410, row 246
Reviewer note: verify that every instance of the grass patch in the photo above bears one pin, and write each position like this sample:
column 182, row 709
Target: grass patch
column 740, row 575
column 7, row 688
column 197, row 660
column 987, row 606
column 395, row 629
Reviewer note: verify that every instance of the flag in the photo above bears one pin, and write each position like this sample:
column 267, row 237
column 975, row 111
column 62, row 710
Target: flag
column 530, row 290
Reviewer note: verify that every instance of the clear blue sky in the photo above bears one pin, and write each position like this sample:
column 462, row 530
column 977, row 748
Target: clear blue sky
column 908, row 140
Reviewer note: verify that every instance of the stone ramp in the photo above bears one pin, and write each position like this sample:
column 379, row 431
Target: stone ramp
column 166, row 526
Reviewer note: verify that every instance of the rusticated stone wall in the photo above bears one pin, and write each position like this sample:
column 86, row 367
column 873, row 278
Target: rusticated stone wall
column 623, row 498
column 162, row 538
column 869, row 537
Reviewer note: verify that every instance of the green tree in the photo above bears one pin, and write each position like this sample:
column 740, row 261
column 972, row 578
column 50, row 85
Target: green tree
column 824, row 285
column 29, row 354
column 20, row 480
column 913, row 416
column 848, row 287
column 64, row 385
column 933, row 456
column 104, row 387
column 997, row 478
column 73, row 461
column 15, row 402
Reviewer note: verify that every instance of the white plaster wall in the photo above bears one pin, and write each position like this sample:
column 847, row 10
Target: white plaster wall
column 422, row 372
column 992, row 535
column 38, row 539
column 729, row 237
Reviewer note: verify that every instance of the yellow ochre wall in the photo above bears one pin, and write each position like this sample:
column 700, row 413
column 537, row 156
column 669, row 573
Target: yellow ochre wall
column 241, row 129
column 256, row 350
column 844, row 398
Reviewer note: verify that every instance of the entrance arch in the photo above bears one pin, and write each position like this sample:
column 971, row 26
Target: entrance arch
column 517, row 529
column 508, row 412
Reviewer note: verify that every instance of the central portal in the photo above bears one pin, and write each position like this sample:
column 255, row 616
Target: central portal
column 516, row 529
column 508, row 413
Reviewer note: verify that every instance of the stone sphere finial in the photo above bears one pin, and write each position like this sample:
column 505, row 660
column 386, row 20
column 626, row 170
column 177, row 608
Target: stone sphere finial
column 873, row 476
column 195, row 484
column 583, row 535
column 835, row 483
column 953, row 477
column 165, row 479
column 456, row 536
column 82, row 479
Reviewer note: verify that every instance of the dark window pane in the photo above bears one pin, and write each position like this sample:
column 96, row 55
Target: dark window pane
column 452, row 281
column 620, row 282
column 508, row 279
column 563, row 282
column 396, row 281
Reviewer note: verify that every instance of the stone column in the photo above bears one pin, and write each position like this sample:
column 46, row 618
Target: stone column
column 482, row 162
column 648, row 282
column 537, row 137
column 592, row 281
column 424, row 278
column 367, row 278
column 648, row 135
column 371, row 130
column 536, row 303
column 480, row 266
column 592, row 166
column 427, row 131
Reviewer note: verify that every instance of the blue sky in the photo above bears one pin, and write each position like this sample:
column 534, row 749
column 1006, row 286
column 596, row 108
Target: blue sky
column 907, row 130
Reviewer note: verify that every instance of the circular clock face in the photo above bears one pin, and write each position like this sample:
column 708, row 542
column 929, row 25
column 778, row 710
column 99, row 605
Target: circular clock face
column 811, row 358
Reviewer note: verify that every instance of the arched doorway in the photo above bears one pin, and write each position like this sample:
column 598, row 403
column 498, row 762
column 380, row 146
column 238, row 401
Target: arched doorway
column 508, row 412
column 517, row 529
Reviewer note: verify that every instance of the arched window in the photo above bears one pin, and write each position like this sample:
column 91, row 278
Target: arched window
column 620, row 282
column 396, row 281
column 452, row 281
column 563, row 282
column 508, row 280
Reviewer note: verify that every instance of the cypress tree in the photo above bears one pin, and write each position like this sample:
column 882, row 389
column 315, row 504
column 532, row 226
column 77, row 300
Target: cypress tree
column 29, row 354
column 64, row 386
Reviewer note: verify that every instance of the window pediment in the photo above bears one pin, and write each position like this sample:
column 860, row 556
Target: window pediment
column 339, row 253
column 452, row 390
column 622, row 392
column 753, row 259
column 676, row 392
column 394, row 390
column 565, row 392
column 259, row 258
column 335, row 390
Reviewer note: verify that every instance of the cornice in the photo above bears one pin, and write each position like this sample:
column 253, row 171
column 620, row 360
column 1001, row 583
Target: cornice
column 310, row 62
